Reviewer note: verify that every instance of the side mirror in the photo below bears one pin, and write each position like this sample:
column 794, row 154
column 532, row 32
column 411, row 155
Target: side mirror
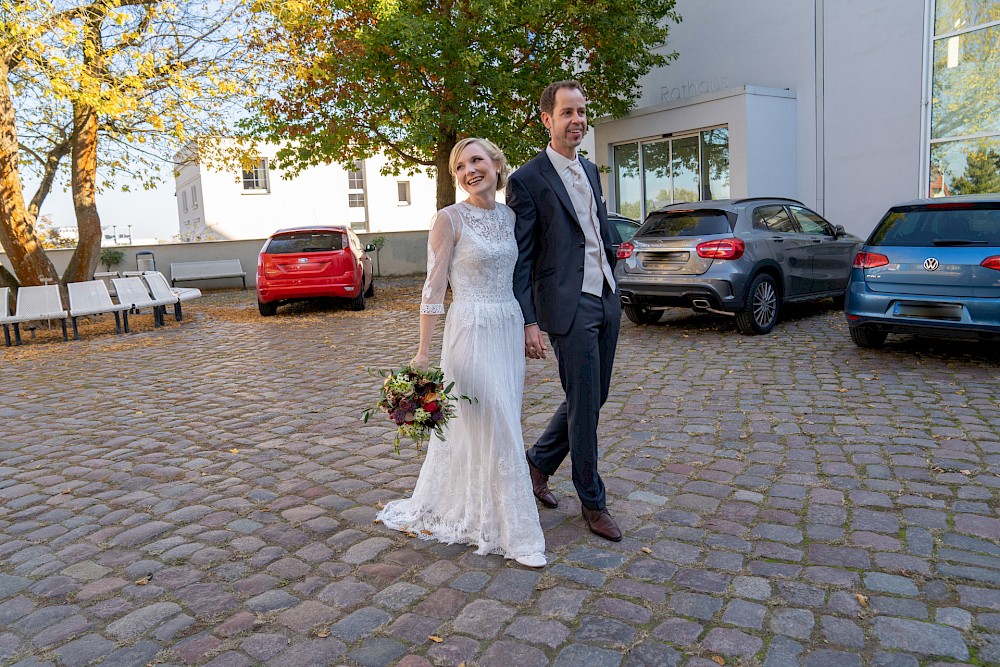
column 839, row 231
column 370, row 247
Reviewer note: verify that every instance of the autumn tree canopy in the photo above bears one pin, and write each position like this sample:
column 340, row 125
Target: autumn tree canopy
column 94, row 89
column 409, row 78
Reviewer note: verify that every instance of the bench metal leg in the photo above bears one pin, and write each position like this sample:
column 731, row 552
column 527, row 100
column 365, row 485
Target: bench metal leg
column 178, row 315
column 125, row 320
column 6, row 334
column 244, row 278
column 17, row 334
column 118, row 323
column 76, row 332
column 65, row 336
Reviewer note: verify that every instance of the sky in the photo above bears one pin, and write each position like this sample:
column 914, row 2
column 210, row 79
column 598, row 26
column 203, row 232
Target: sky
column 152, row 213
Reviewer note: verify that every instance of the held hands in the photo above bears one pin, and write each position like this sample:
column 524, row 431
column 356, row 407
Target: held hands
column 534, row 342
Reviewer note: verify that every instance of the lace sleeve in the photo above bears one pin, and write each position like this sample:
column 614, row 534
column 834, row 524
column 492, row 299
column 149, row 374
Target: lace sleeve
column 440, row 246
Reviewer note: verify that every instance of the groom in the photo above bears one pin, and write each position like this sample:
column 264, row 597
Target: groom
column 565, row 286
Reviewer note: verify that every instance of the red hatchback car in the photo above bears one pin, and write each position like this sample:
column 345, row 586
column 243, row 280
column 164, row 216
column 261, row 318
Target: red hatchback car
column 313, row 262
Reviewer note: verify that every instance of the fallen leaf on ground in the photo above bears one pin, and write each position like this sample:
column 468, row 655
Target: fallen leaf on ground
column 435, row 639
column 323, row 634
column 862, row 599
column 646, row 550
column 717, row 659
column 234, row 451
column 142, row 582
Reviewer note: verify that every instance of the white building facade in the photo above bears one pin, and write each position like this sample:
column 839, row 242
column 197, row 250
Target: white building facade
column 253, row 202
column 847, row 105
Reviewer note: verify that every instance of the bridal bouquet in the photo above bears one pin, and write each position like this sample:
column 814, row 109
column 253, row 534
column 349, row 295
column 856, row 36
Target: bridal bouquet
column 417, row 401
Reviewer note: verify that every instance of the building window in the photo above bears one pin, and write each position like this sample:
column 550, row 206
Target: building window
column 355, row 199
column 184, row 200
column 356, row 177
column 403, row 192
column 965, row 98
column 194, row 196
column 255, row 177
column 654, row 173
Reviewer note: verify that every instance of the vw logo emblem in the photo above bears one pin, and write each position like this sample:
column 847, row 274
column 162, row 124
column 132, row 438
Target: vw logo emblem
column 303, row 260
column 931, row 264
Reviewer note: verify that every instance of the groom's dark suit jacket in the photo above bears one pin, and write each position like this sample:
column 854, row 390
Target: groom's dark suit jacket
column 548, row 278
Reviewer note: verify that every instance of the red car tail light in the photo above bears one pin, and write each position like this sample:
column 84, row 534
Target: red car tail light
column 992, row 262
column 721, row 249
column 268, row 268
column 869, row 260
column 625, row 250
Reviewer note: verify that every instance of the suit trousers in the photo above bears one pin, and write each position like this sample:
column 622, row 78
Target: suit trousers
column 586, row 355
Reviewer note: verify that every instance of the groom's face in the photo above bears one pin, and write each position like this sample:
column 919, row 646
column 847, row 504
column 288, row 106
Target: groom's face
column 568, row 121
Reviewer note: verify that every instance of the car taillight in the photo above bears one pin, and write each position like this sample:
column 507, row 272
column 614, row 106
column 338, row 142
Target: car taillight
column 991, row 262
column 721, row 249
column 869, row 260
column 625, row 250
column 268, row 269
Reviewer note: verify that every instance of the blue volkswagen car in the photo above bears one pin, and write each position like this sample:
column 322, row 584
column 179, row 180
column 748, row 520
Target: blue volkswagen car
column 932, row 268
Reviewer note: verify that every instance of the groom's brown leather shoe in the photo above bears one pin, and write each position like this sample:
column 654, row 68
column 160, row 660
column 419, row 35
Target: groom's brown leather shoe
column 540, row 486
column 601, row 524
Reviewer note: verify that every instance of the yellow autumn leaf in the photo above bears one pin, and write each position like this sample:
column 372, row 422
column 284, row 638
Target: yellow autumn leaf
column 435, row 639
column 717, row 659
column 323, row 634
column 862, row 599
column 234, row 451
column 142, row 582
column 646, row 550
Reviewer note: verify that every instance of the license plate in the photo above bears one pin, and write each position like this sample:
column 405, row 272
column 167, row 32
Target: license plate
column 931, row 311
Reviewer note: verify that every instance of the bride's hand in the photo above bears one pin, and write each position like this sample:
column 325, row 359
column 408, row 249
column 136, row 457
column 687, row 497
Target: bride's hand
column 421, row 362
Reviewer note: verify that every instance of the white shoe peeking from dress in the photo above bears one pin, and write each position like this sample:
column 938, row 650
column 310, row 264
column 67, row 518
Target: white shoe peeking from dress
column 534, row 560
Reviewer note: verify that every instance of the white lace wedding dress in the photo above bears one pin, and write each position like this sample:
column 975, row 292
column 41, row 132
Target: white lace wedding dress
column 474, row 486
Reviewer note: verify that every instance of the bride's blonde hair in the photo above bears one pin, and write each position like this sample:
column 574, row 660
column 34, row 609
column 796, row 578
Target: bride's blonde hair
column 499, row 159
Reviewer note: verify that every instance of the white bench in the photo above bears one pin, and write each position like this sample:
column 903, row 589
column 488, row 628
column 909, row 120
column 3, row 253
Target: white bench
column 219, row 268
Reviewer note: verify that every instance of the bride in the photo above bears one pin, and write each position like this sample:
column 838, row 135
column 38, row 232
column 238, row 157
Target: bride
column 474, row 486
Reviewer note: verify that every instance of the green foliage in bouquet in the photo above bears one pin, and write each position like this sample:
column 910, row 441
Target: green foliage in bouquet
column 418, row 402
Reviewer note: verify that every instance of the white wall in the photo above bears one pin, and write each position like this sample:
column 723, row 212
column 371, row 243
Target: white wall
column 727, row 44
column 867, row 153
column 873, row 76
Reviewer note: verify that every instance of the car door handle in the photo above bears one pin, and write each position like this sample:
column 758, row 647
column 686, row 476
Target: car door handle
column 777, row 239
column 817, row 240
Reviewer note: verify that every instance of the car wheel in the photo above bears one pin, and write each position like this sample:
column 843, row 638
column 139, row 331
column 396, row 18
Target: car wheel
column 641, row 315
column 760, row 313
column 358, row 302
column 267, row 309
column 867, row 336
column 370, row 292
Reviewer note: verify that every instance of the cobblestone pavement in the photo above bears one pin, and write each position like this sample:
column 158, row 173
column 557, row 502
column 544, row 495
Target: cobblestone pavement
column 204, row 494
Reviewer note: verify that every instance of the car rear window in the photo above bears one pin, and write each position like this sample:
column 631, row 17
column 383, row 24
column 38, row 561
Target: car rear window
column 943, row 225
column 704, row 222
column 300, row 242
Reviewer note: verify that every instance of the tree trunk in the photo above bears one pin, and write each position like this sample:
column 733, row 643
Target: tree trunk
column 84, row 170
column 84, row 161
column 445, row 181
column 17, row 227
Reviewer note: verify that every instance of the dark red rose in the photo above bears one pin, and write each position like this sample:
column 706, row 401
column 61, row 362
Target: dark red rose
column 431, row 407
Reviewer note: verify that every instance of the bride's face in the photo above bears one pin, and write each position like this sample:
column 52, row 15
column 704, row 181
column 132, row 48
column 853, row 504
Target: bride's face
column 475, row 170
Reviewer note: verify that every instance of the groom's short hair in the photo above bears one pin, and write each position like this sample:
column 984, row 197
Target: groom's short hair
column 548, row 101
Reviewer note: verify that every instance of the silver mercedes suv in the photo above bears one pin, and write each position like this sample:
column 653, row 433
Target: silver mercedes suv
column 743, row 258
